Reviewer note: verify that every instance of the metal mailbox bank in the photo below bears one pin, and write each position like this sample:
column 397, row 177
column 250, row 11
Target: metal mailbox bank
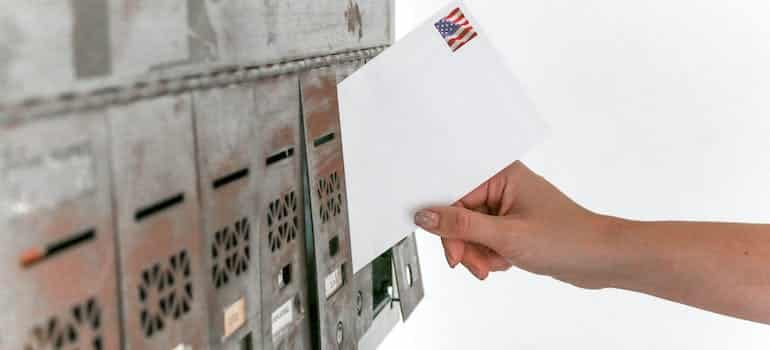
column 172, row 177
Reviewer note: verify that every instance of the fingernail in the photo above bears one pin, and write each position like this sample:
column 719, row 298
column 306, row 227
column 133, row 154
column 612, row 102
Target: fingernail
column 453, row 260
column 426, row 219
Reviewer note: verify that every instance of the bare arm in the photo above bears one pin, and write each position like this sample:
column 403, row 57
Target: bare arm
column 517, row 218
column 723, row 268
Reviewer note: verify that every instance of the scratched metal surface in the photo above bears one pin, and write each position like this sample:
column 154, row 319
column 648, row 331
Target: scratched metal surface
column 159, row 245
column 123, row 88
column 52, row 47
column 228, row 151
column 69, row 154
column 326, row 175
column 406, row 263
column 282, row 227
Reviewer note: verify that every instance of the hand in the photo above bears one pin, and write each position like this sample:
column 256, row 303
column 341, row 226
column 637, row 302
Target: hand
column 517, row 218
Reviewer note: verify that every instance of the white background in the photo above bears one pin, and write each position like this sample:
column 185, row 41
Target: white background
column 659, row 110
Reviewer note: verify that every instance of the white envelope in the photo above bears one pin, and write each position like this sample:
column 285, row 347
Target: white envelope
column 422, row 124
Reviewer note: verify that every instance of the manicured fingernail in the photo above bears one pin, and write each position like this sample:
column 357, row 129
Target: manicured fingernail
column 426, row 219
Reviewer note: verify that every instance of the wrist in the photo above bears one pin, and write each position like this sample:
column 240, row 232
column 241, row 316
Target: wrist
column 621, row 251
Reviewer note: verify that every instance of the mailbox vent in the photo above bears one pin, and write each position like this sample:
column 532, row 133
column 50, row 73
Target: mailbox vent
column 165, row 292
column 78, row 329
column 230, row 252
column 329, row 192
column 282, row 221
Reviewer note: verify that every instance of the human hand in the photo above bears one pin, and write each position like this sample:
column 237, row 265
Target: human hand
column 517, row 218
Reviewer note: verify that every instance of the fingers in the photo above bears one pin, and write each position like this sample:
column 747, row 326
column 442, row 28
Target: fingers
column 481, row 261
column 453, row 249
column 465, row 225
column 475, row 260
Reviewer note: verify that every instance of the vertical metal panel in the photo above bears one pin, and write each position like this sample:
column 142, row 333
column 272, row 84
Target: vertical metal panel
column 408, row 275
column 228, row 154
column 158, row 224
column 256, row 32
column 58, row 242
column 326, row 176
column 285, row 304
column 363, row 301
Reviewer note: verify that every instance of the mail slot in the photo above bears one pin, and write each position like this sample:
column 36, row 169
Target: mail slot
column 159, row 240
column 326, row 185
column 228, row 155
column 281, row 227
column 55, row 215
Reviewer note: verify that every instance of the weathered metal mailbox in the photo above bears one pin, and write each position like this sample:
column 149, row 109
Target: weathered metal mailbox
column 172, row 177
column 285, row 303
column 58, row 241
column 158, row 224
column 228, row 151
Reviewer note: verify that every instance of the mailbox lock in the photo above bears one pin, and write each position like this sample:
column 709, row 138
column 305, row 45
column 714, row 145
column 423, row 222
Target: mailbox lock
column 340, row 332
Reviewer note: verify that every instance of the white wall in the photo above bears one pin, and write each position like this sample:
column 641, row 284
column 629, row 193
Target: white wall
column 659, row 110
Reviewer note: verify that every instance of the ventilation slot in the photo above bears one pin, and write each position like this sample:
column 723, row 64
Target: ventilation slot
column 153, row 209
column 36, row 255
column 282, row 221
column 329, row 191
column 79, row 328
column 222, row 181
column 165, row 292
column 323, row 140
column 230, row 252
column 279, row 156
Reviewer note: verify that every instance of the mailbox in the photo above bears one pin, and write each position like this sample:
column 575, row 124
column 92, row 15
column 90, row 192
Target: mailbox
column 286, row 308
column 58, row 242
column 159, row 240
column 228, row 152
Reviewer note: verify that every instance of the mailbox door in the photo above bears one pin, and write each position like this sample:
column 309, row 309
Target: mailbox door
column 281, row 229
column 58, row 242
column 153, row 165
column 326, row 184
column 228, row 149
column 408, row 275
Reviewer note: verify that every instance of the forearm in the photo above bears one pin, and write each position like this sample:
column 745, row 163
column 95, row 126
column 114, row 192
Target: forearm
column 723, row 268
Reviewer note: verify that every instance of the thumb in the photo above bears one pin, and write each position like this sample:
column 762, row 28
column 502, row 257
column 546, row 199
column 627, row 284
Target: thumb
column 463, row 224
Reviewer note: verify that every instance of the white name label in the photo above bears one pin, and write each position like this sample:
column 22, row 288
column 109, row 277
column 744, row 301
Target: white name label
column 282, row 317
column 235, row 316
column 334, row 281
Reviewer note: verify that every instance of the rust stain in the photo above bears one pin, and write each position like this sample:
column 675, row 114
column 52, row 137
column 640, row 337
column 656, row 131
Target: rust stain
column 353, row 17
column 282, row 138
column 320, row 103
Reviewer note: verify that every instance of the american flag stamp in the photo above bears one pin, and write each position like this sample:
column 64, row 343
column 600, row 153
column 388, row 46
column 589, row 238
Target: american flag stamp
column 456, row 29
